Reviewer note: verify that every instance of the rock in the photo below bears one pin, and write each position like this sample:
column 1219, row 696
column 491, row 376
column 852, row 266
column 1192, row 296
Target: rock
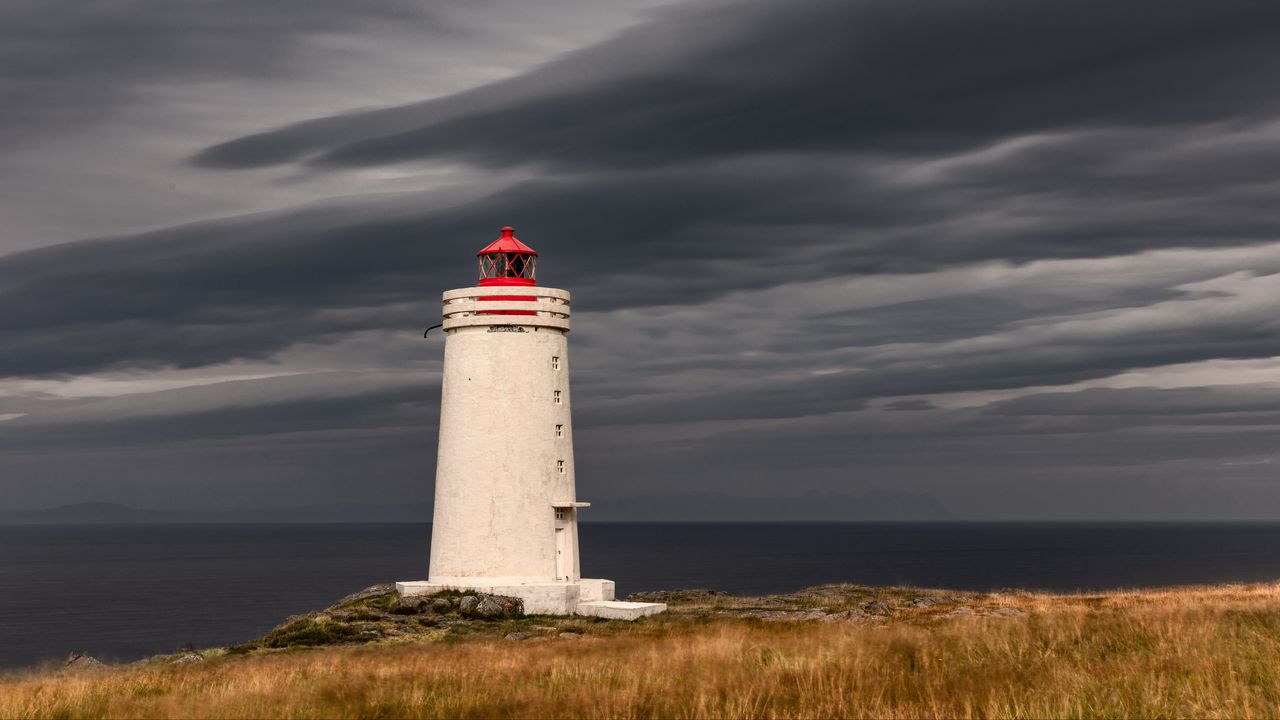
column 831, row 591
column 441, row 605
column 80, row 662
column 544, row 628
column 187, row 659
column 489, row 607
column 570, row 635
column 962, row 611
column 512, row 606
column 925, row 602
column 517, row 636
column 794, row 615
column 782, row 615
column 368, row 593
column 847, row 615
column 1007, row 612
column 676, row 595
column 876, row 607
column 411, row 605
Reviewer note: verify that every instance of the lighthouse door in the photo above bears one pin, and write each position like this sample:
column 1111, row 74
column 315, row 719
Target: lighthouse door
column 561, row 565
column 562, row 545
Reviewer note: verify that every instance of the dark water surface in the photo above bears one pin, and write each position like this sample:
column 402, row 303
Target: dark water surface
column 126, row 591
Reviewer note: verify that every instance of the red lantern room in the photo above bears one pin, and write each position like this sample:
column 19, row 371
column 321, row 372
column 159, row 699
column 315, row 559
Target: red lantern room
column 507, row 261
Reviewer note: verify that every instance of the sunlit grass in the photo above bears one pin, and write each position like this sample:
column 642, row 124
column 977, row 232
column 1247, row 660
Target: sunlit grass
column 1202, row 652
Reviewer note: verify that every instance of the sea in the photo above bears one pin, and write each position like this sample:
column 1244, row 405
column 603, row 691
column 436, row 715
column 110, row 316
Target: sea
column 123, row 592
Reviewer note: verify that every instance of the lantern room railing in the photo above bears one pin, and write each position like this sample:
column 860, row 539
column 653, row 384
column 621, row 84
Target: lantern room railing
column 530, row 306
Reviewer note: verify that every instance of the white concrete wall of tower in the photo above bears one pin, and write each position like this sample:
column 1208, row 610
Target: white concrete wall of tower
column 506, row 443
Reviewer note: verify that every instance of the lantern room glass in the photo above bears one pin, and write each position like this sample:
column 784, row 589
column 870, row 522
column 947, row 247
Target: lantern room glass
column 508, row 265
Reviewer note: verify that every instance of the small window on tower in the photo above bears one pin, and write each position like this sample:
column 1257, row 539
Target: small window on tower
column 557, row 397
column 555, row 362
column 560, row 466
column 560, row 431
column 559, row 513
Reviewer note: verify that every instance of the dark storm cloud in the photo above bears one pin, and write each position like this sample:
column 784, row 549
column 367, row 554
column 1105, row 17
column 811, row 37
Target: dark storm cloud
column 785, row 226
column 1029, row 468
column 244, row 411
column 1154, row 406
column 210, row 292
column 989, row 328
column 771, row 78
column 245, row 288
column 65, row 63
column 715, row 80
column 771, row 397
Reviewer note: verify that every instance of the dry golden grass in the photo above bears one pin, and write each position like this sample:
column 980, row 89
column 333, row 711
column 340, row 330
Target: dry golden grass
column 1195, row 652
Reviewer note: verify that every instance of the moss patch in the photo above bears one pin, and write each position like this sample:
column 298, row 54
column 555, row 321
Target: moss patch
column 312, row 631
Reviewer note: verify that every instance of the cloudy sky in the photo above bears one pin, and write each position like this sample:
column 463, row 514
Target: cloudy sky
column 1008, row 259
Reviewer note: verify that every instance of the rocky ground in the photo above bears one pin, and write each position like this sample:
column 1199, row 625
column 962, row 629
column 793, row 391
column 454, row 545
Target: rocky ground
column 378, row 614
column 838, row 603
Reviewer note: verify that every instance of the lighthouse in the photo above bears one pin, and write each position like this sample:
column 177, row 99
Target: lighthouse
column 506, row 507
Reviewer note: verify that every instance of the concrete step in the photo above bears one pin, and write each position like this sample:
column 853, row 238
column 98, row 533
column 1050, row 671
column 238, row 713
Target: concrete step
column 618, row 610
column 595, row 589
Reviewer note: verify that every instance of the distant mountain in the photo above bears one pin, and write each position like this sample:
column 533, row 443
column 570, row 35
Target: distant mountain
column 93, row 513
column 334, row 513
column 96, row 512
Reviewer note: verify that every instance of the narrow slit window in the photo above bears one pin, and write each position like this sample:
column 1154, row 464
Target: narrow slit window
column 559, row 431
column 555, row 362
column 560, row 466
column 557, row 397
column 559, row 513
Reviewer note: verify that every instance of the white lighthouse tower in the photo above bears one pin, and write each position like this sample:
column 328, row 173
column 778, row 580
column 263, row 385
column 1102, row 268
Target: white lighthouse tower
column 506, row 509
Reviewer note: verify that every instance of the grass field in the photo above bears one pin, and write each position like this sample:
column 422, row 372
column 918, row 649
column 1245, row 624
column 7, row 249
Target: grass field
column 1193, row 652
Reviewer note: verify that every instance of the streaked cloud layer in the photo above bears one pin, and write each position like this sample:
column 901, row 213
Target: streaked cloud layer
column 1021, row 258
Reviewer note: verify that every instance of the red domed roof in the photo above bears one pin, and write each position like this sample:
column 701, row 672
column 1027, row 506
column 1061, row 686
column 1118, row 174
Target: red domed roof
column 508, row 244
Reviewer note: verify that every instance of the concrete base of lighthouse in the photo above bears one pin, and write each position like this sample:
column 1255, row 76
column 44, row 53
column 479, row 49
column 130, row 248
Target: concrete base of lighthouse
column 588, row 596
column 552, row 598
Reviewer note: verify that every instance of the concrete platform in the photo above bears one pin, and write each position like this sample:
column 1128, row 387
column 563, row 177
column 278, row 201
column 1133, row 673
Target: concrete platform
column 618, row 610
column 592, row 597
